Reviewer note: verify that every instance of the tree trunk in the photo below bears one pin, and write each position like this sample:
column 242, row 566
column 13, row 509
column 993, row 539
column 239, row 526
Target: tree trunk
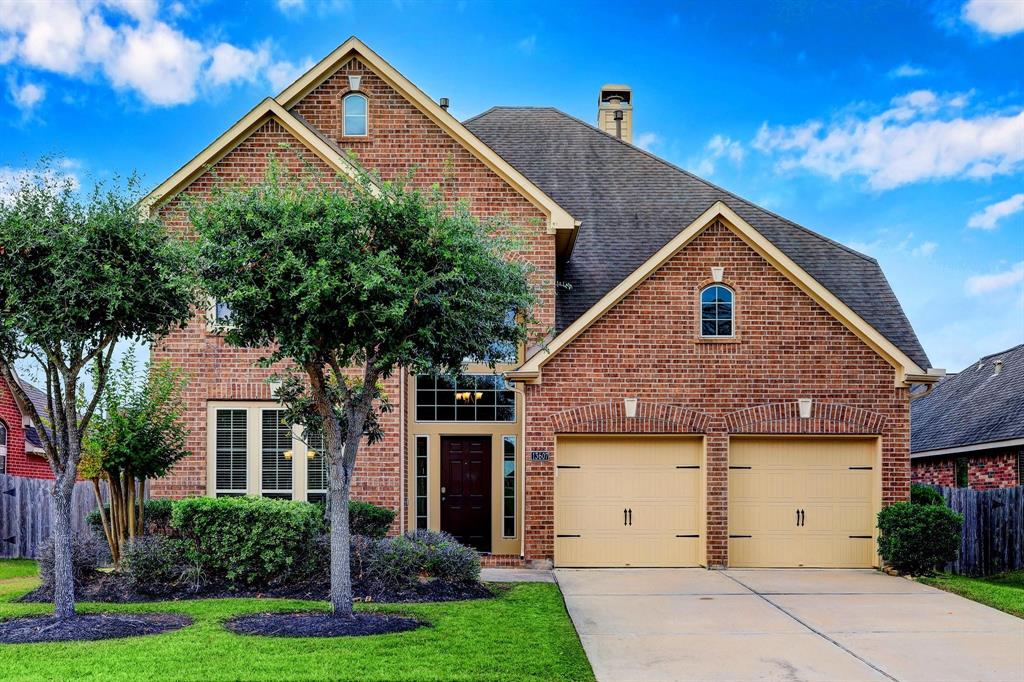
column 341, row 568
column 108, row 529
column 63, row 571
column 129, row 503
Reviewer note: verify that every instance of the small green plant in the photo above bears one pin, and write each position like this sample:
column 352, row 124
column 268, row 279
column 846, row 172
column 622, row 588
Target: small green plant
column 918, row 538
column 247, row 540
column 154, row 563
column 924, row 494
column 157, row 517
column 369, row 519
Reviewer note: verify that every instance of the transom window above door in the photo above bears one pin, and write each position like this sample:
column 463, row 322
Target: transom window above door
column 472, row 398
column 717, row 312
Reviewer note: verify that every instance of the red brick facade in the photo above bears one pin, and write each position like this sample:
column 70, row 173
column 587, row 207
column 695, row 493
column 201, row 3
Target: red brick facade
column 985, row 470
column 19, row 462
column 787, row 347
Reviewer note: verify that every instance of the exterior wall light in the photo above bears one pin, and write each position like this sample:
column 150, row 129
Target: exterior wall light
column 288, row 454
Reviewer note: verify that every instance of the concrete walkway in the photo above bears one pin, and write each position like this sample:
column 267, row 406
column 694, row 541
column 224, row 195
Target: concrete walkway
column 516, row 575
column 693, row 624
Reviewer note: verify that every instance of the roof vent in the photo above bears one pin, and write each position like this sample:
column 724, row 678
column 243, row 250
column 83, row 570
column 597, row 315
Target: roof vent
column 998, row 367
column 615, row 111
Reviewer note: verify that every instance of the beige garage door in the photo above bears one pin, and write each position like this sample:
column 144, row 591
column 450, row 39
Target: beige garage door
column 627, row 501
column 802, row 502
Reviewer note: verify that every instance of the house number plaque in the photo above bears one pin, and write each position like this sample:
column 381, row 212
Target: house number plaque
column 540, row 456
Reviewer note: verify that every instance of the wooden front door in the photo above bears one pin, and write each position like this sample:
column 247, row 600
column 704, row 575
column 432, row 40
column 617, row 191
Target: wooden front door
column 466, row 490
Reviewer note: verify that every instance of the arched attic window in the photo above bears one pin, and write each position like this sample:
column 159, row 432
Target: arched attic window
column 354, row 115
column 717, row 312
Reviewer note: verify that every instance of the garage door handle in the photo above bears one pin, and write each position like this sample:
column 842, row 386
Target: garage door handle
column 630, row 517
column 625, row 516
column 802, row 517
column 798, row 517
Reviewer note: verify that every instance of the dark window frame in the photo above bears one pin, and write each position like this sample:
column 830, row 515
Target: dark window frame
column 470, row 399
column 962, row 477
column 710, row 321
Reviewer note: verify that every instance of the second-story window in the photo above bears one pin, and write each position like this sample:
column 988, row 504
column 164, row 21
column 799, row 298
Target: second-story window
column 717, row 312
column 354, row 115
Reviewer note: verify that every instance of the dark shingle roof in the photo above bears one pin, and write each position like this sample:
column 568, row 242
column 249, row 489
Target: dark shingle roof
column 631, row 203
column 974, row 406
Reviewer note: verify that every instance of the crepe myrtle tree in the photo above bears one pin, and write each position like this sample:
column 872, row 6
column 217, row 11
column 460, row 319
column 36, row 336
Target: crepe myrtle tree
column 79, row 272
column 351, row 280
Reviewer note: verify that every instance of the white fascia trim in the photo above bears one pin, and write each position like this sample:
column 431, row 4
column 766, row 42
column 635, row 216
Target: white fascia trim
column 974, row 447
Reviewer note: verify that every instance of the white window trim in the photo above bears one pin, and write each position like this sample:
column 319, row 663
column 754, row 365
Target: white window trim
column 366, row 115
column 248, row 450
column 732, row 312
column 213, row 325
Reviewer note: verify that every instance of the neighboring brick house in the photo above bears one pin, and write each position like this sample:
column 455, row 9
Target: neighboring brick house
column 719, row 386
column 968, row 432
column 21, row 450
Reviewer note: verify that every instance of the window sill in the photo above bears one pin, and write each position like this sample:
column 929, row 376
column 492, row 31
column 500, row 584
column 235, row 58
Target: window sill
column 353, row 138
column 711, row 341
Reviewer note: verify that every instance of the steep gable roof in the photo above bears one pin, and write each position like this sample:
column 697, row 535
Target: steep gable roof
column 631, row 204
column 560, row 222
column 975, row 406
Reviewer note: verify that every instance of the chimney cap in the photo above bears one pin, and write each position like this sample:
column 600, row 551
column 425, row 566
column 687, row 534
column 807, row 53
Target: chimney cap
column 612, row 92
column 444, row 103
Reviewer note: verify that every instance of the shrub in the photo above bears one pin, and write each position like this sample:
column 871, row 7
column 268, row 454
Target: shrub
column 87, row 554
column 923, row 494
column 369, row 519
column 158, row 517
column 400, row 562
column 247, row 541
column 154, row 563
column 918, row 538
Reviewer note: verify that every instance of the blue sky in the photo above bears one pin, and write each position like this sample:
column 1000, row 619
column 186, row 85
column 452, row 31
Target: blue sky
column 896, row 128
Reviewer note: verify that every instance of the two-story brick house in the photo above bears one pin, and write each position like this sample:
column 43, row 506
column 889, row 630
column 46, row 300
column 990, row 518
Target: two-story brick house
column 720, row 386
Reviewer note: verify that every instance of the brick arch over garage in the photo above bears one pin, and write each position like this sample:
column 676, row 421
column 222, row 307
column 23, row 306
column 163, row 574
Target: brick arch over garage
column 825, row 418
column 610, row 417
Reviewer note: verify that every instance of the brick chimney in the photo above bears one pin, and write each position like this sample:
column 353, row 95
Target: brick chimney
column 615, row 111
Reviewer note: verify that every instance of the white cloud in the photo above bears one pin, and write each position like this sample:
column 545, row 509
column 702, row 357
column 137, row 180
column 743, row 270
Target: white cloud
column 528, row 44
column 925, row 249
column 921, row 136
column 995, row 17
column 646, row 140
column 26, row 96
column 719, row 147
column 128, row 43
column 281, row 74
column 983, row 284
column 289, row 6
column 12, row 178
column 989, row 217
column 890, row 243
column 230, row 64
column 907, row 70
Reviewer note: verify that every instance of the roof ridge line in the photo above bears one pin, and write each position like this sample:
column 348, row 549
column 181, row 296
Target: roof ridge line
column 708, row 183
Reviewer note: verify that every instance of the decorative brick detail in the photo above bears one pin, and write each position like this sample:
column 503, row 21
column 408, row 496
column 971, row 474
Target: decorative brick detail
column 825, row 418
column 502, row 561
column 610, row 417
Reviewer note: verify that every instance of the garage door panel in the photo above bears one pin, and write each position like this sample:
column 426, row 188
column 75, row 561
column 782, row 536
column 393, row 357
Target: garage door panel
column 831, row 480
column 656, row 478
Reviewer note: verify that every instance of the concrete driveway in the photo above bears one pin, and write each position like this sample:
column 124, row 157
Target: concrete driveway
column 804, row 624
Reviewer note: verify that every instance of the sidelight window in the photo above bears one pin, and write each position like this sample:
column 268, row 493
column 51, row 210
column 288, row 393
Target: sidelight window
column 508, row 483
column 422, row 449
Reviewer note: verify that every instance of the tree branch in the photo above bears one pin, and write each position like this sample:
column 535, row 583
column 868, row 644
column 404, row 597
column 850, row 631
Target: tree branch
column 102, row 372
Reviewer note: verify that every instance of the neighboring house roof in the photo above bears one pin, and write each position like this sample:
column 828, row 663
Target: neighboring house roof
column 973, row 407
column 631, row 204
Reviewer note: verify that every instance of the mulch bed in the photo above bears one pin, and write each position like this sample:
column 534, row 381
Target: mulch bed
column 88, row 627
column 113, row 588
column 320, row 625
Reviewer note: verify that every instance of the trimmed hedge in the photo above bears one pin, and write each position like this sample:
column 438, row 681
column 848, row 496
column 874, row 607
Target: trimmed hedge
column 247, row 540
column 369, row 519
column 397, row 563
column 918, row 538
column 923, row 494
column 158, row 516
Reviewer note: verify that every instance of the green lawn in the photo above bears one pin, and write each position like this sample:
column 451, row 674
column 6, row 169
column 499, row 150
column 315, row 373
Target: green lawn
column 1004, row 592
column 525, row 634
column 17, row 568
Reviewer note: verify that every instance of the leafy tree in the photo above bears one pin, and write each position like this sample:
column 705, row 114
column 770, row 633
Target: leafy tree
column 78, row 273
column 351, row 281
column 136, row 435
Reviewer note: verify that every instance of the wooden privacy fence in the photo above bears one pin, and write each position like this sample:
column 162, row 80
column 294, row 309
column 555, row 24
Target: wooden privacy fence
column 993, row 535
column 26, row 514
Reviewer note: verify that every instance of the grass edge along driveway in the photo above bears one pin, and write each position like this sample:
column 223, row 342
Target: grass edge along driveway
column 523, row 634
column 1004, row 591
